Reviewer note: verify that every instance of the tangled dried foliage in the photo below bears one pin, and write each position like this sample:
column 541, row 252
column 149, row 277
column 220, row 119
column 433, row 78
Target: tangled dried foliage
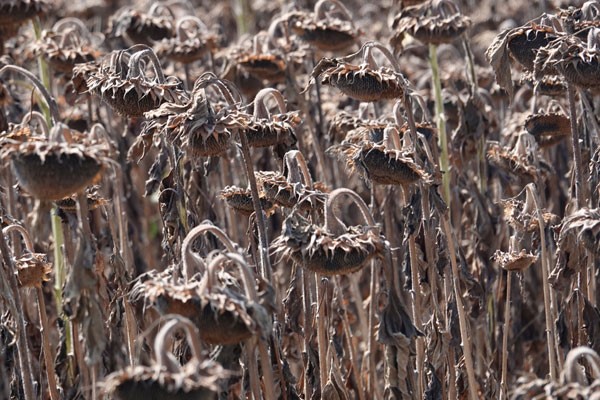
column 169, row 181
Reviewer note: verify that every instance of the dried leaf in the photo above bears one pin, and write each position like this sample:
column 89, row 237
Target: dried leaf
column 498, row 56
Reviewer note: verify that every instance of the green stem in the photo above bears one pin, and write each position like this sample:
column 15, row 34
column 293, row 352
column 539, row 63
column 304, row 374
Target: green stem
column 440, row 120
column 44, row 72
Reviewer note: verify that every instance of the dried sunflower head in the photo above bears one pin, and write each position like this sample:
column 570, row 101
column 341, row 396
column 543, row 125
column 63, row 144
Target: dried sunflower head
column 343, row 123
column 240, row 200
column 33, row 269
column 68, row 43
column 329, row 28
column 548, row 128
column 192, row 43
column 141, row 27
column 225, row 311
column 94, row 200
column 431, row 22
column 522, row 215
column 52, row 170
column 576, row 59
column 199, row 378
column 263, row 128
column 260, row 59
column 278, row 189
column 195, row 125
column 335, row 248
column 523, row 160
column 326, row 253
column 573, row 384
column 16, row 12
column 514, row 261
column 120, row 80
column 381, row 163
column 363, row 82
column 523, row 44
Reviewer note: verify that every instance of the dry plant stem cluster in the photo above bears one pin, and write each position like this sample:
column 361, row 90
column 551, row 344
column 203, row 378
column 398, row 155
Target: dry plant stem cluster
column 163, row 237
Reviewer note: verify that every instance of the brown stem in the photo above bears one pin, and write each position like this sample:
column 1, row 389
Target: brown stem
column 135, row 69
column 322, row 322
column 38, row 85
column 260, row 107
column 13, row 299
column 580, row 188
column 416, row 297
column 196, row 23
column 188, row 259
column 296, row 166
column 504, row 373
column 265, row 262
column 48, row 357
column 307, row 318
column 39, row 118
column 191, row 333
column 332, row 223
column 367, row 50
column 462, row 317
column 321, row 9
column 548, row 302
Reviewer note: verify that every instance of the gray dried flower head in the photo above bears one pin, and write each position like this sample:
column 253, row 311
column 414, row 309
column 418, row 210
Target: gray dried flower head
column 514, row 261
column 121, row 82
column 364, row 82
column 522, row 44
column 576, row 59
column 380, row 164
column 387, row 162
column 548, row 128
column 263, row 128
column 334, row 249
column 16, row 12
column 240, row 200
column 521, row 215
column 318, row 250
column 94, row 201
column 258, row 57
column 431, row 22
column 343, row 123
column 523, row 161
column 33, row 269
column 194, row 125
column 278, row 189
column 329, row 28
column 52, row 170
column 142, row 27
column 193, row 41
column 573, row 384
column 200, row 378
column 68, row 43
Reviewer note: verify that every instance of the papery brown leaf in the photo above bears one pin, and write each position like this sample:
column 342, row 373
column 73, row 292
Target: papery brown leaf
column 498, row 56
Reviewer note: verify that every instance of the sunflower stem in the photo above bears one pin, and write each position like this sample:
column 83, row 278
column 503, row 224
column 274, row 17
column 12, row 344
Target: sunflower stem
column 503, row 383
column 322, row 340
column 548, row 301
column 580, row 188
column 265, row 264
column 440, row 119
column 12, row 296
column 416, row 297
column 462, row 316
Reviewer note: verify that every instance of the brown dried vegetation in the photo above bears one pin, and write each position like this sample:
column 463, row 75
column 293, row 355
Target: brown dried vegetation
column 262, row 200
